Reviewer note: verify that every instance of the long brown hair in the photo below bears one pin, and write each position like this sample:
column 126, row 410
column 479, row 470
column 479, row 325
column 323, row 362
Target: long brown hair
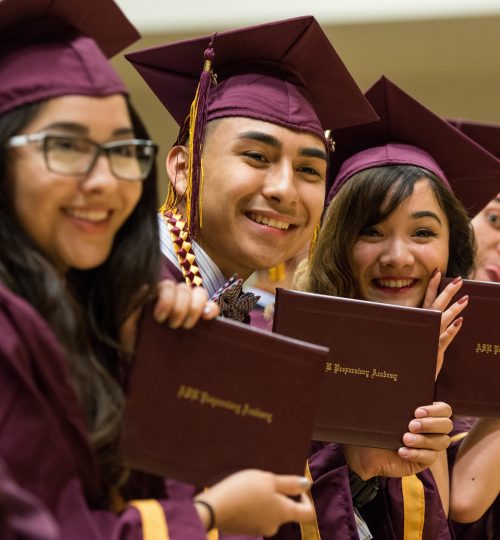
column 366, row 199
column 86, row 310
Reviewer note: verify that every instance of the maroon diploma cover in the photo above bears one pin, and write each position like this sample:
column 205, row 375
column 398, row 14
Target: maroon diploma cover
column 207, row 402
column 381, row 365
column 470, row 378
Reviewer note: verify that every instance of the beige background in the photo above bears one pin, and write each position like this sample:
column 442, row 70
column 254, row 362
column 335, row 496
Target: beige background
column 451, row 66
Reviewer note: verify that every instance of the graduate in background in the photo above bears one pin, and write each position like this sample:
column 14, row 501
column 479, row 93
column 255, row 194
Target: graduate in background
column 475, row 482
column 79, row 255
column 392, row 230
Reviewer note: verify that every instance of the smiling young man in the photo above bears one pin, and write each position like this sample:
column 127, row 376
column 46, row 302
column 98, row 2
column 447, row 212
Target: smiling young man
column 264, row 153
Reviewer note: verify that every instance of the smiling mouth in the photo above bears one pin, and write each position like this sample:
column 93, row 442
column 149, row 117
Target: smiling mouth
column 269, row 222
column 395, row 284
column 92, row 216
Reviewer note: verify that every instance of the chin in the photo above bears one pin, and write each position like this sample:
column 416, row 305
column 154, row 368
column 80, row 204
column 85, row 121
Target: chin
column 87, row 262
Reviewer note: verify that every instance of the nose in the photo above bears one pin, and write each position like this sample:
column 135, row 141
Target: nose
column 396, row 254
column 100, row 178
column 280, row 185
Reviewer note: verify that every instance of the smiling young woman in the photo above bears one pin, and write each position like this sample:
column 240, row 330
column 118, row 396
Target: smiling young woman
column 392, row 229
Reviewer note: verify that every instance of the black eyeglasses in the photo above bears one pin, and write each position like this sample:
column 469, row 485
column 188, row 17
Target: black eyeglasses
column 130, row 159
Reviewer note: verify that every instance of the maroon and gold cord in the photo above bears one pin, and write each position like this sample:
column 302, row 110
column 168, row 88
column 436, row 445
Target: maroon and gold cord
column 179, row 234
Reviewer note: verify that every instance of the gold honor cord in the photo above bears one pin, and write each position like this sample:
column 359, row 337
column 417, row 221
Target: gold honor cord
column 310, row 530
column 414, row 507
column 458, row 437
column 154, row 522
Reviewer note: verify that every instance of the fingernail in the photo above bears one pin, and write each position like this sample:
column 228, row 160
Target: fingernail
column 435, row 273
column 420, row 413
column 463, row 299
column 458, row 322
column 415, row 424
column 304, row 482
column 457, row 280
column 207, row 309
column 404, row 452
column 160, row 317
column 409, row 438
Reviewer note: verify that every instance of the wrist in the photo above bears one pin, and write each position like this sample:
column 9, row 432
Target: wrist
column 206, row 513
column 354, row 460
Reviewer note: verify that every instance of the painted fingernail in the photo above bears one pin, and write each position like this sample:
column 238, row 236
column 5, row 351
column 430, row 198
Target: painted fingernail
column 458, row 322
column 304, row 482
column 435, row 273
column 463, row 299
column 415, row 424
column 457, row 280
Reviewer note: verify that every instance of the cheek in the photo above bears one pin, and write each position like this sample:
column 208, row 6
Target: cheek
column 363, row 256
column 134, row 195
column 31, row 198
column 313, row 198
column 435, row 255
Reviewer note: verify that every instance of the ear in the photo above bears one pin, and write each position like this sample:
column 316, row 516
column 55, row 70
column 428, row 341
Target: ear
column 177, row 168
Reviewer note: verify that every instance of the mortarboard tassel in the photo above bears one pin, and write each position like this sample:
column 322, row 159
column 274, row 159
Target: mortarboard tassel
column 312, row 245
column 197, row 125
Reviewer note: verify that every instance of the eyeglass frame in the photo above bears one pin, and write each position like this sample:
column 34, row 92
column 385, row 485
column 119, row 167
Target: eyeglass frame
column 101, row 148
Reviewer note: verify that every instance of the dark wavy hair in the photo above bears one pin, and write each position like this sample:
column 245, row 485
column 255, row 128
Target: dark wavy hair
column 87, row 308
column 368, row 198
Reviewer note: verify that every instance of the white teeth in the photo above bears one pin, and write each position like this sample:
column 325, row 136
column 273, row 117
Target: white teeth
column 258, row 218
column 395, row 283
column 88, row 215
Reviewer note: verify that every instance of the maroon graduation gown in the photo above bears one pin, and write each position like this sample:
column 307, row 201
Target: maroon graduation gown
column 44, row 443
column 384, row 515
column 22, row 515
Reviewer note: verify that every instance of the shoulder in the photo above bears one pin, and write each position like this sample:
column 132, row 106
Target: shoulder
column 20, row 322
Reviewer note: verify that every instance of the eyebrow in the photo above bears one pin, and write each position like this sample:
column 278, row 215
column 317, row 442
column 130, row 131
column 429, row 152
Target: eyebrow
column 259, row 136
column 314, row 153
column 83, row 130
column 270, row 140
column 426, row 213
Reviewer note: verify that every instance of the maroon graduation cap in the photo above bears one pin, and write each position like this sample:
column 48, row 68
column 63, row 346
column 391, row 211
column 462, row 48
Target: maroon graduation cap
column 50, row 48
column 286, row 73
column 409, row 133
column 486, row 135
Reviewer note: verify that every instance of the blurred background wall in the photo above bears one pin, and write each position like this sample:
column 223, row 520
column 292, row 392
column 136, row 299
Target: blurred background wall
column 445, row 53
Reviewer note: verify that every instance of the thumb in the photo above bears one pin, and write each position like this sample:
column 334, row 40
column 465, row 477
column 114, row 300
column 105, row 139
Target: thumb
column 291, row 485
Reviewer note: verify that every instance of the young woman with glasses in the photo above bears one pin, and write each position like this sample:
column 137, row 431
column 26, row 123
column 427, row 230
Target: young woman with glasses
column 80, row 252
